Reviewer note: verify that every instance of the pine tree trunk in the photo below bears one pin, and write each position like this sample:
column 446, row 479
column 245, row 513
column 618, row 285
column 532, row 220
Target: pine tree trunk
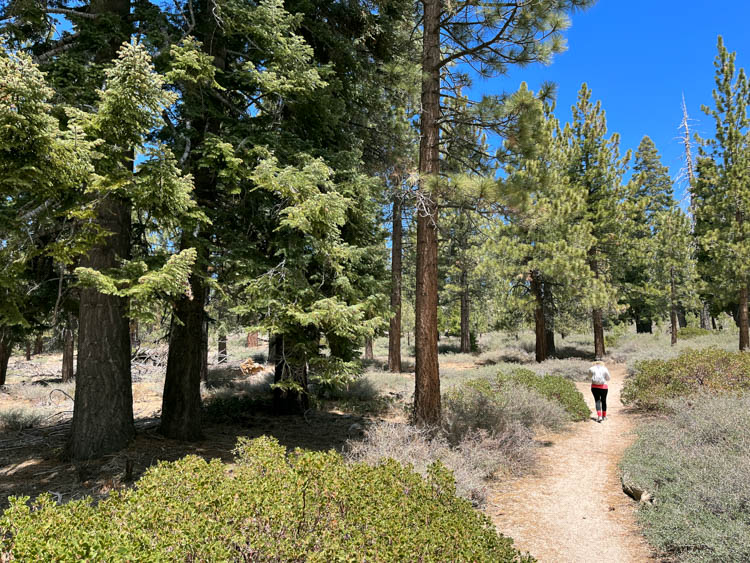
column 539, row 326
column 68, row 372
column 204, row 348
column 743, row 321
column 252, row 340
column 369, row 355
column 223, row 357
column 38, row 344
column 181, row 403
column 465, row 314
column 135, row 339
column 103, row 409
column 427, row 375
column 394, row 332
column 549, row 321
column 705, row 316
column 289, row 368
column 596, row 314
column 681, row 318
column 6, row 348
column 28, row 350
column 673, row 308
column 550, row 340
column 599, row 350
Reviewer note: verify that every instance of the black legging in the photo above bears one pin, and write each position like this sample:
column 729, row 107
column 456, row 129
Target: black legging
column 600, row 396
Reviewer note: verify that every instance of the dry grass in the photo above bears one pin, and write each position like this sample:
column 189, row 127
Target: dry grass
column 476, row 459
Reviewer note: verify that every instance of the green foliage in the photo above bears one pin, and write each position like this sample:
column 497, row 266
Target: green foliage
column 692, row 332
column 553, row 387
column 695, row 464
column 721, row 194
column 271, row 506
column 654, row 382
column 496, row 408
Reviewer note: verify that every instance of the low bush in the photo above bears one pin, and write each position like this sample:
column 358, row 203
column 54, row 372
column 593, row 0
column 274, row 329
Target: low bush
column 480, row 404
column 653, row 383
column 692, row 332
column 306, row 506
column 473, row 459
column 696, row 465
column 553, row 387
column 20, row 419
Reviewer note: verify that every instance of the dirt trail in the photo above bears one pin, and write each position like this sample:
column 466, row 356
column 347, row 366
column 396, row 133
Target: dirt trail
column 573, row 509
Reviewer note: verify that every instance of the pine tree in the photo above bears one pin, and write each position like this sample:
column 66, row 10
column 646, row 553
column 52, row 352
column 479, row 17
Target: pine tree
column 671, row 264
column 595, row 169
column 490, row 37
column 722, row 190
column 649, row 193
column 543, row 246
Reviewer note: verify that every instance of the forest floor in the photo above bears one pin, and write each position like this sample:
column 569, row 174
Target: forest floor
column 572, row 508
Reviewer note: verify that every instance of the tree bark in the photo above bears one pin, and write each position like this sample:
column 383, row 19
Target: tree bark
column 550, row 340
column 135, row 339
column 223, row 357
column 681, row 318
column 539, row 325
column 38, row 344
column 394, row 332
column 181, row 403
column 27, row 346
column 289, row 369
column 705, row 316
column 465, row 314
column 369, row 355
column 68, row 372
column 596, row 314
column 599, row 350
column 673, row 307
column 427, row 374
column 743, row 320
column 204, row 348
column 6, row 348
column 103, row 409
column 252, row 340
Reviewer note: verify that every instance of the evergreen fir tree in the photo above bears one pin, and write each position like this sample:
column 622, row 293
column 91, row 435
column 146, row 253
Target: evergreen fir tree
column 722, row 190
column 595, row 169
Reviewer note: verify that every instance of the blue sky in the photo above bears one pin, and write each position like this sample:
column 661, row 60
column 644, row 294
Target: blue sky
column 639, row 57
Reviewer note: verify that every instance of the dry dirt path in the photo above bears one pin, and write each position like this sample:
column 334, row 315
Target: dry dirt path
column 572, row 509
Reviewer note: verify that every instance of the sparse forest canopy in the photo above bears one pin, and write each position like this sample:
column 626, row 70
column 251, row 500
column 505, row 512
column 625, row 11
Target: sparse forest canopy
column 316, row 175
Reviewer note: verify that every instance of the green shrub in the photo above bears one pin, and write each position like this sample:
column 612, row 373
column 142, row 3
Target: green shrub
column 692, row 332
column 696, row 465
column 553, row 387
column 307, row 506
column 480, row 404
column 654, row 382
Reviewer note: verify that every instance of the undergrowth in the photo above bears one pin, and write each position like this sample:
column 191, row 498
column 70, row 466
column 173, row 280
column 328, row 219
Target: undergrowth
column 696, row 464
column 654, row 382
column 306, row 506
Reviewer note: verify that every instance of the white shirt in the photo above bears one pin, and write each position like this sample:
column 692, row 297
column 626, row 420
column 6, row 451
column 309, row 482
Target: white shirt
column 599, row 374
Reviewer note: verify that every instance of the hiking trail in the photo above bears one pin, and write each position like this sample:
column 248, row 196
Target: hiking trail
column 571, row 509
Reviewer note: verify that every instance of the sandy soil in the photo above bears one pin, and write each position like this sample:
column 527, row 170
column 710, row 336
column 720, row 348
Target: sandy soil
column 572, row 509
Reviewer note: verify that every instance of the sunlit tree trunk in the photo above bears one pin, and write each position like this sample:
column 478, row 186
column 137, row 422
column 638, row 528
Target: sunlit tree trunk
column 427, row 376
